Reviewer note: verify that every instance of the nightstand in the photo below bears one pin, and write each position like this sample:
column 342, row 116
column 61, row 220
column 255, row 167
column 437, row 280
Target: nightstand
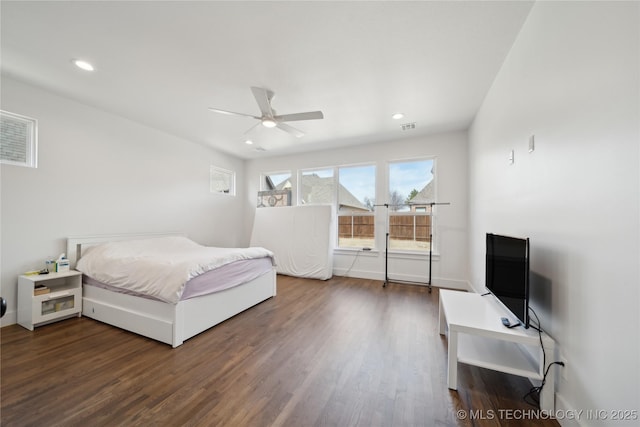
column 46, row 298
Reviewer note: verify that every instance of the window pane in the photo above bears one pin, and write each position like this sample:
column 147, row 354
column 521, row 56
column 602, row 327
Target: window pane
column 18, row 137
column 316, row 187
column 410, row 183
column 276, row 181
column 408, row 231
column 223, row 181
column 356, row 197
column 275, row 190
column 411, row 191
column 357, row 189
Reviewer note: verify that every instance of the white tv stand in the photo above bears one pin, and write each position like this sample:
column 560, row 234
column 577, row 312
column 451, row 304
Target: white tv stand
column 478, row 337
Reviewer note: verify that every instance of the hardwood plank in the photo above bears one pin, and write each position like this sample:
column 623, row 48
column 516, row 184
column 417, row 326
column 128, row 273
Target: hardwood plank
column 342, row 352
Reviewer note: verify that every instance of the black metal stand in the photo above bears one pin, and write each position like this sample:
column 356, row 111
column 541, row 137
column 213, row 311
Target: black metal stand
column 386, row 250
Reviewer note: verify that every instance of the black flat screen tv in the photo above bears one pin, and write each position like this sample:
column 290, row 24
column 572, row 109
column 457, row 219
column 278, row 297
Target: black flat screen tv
column 507, row 273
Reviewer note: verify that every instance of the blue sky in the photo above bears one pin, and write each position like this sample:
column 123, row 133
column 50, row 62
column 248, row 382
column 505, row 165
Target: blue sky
column 360, row 181
column 405, row 176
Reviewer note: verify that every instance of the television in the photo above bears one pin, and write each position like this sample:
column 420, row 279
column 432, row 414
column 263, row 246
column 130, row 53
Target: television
column 507, row 273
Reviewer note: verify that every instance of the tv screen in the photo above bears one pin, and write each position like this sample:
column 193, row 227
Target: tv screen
column 507, row 273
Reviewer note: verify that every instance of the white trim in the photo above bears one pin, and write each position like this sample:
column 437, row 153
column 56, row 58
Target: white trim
column 31, row 154
column 232, row 181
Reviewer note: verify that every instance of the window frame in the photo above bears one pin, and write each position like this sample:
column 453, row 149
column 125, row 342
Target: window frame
column 31, row 144
column 223, row 172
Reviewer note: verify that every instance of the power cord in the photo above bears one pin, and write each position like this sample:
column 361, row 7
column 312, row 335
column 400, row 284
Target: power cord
column 535, row 391
column 346, row 274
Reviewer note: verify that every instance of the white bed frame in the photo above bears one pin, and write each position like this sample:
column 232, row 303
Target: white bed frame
column 168, row 323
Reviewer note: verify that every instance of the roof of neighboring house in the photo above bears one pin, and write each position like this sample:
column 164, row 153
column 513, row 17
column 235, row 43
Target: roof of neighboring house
column 284, row 185
column 315, row 188
column 425, row 196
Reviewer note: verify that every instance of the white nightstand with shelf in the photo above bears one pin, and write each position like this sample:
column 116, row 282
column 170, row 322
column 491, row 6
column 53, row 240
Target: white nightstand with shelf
column 64, row 298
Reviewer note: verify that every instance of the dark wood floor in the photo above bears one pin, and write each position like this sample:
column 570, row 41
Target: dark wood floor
column 340, row 352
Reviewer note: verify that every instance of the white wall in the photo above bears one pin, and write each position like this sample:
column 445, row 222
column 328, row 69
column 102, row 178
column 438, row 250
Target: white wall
column 100, row 174
column 572, row 79
column 450, row 151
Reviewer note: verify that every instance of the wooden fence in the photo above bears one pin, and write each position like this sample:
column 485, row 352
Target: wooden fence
column 356, row 226
column 401, row 227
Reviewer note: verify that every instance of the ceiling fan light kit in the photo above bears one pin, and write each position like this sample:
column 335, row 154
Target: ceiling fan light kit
column 269, row 118
column 269, row 123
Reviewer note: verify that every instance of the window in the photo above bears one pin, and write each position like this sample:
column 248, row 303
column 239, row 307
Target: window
column 411, row 192
column 223, row 181
column 356, row 197
column 316, row 187
column 276, row 181
column 275, row 190
column 19, row 137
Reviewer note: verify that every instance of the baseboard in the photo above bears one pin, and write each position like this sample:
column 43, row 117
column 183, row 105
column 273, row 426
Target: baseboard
column 566, row 415
column 10, row 318
column 439, row 282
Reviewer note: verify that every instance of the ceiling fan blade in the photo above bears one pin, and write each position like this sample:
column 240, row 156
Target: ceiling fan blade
column 231, row 113
column 252, row 127
column 263, row 98
column 290, row 129
column 311, row 115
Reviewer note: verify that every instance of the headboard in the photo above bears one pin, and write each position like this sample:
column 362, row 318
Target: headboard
column 76, row 244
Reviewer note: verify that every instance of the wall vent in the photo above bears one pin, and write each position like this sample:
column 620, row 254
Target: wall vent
column 408, row 126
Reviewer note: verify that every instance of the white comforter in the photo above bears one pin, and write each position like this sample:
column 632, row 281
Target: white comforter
column 158, row 267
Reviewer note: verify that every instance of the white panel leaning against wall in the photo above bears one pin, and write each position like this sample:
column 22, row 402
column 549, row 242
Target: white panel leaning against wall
column 18, row 140
column 223, row 181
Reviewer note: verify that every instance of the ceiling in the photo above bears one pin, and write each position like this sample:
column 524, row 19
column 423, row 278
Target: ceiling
column 164, row 63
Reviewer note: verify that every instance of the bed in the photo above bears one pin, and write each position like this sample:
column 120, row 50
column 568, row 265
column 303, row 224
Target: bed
column 159, row 317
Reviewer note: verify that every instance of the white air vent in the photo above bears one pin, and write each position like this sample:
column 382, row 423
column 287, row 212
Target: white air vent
column 408, row 126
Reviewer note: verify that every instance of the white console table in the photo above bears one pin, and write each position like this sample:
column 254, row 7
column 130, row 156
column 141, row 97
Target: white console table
column 478, row 337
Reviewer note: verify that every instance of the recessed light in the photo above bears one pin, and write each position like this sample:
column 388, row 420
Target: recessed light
column 248, row 142
column 83, row 65
column 397, row 116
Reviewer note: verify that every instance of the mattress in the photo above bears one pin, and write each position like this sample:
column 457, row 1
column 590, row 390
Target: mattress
column 219, row 279
column 160, row 268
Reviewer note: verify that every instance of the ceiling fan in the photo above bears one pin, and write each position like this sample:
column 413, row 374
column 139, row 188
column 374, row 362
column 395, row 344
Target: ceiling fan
column 269, row 118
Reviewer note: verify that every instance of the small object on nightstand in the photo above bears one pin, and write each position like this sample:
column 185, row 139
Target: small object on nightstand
column 62, row 264
column 41, row 289
column 49, row 266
